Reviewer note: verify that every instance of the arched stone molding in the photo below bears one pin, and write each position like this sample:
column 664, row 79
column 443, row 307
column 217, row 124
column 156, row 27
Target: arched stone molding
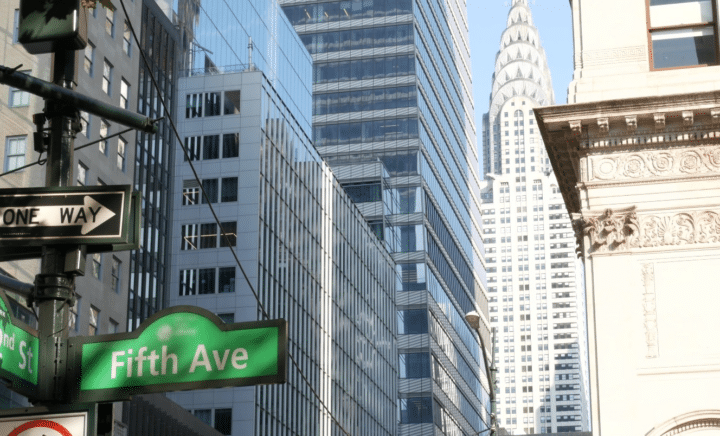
column 688, row 423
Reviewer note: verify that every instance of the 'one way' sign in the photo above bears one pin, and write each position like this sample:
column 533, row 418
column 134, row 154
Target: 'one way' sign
column 70, row 215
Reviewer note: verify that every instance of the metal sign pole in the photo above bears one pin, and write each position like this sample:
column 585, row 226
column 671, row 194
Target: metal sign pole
column 55, row 285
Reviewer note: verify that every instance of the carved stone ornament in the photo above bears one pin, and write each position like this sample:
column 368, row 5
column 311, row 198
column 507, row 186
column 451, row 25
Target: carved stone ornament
column 659, row 121
column 621, row 232
column 631, row 122
column 575, row 127
column 654, row 164
column 610, row 231
column 650, row 311
column 603, row 125
column 715, row 114
column 687, row 117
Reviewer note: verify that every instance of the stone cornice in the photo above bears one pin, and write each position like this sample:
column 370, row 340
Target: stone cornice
column 575, row 134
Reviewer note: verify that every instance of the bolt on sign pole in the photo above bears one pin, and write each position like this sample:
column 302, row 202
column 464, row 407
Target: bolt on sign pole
column 55, row 285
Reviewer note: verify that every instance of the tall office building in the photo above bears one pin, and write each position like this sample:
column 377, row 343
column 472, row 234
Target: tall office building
column 304, row 247
column 154, row 164
column 393, row 115
column 534, row 279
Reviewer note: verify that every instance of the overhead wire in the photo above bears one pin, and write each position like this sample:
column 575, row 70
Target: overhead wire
column 214, row 214
column 42, row 161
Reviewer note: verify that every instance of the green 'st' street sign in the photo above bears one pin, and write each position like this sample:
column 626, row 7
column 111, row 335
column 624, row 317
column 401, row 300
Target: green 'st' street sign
column 18, row 351
column 180, row 348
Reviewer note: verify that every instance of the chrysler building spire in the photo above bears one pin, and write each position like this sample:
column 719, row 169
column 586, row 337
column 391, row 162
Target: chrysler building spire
column 521, row 70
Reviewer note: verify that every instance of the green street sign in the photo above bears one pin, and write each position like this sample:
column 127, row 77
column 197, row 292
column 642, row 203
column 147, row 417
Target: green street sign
column 18, row 351
column 180, row 348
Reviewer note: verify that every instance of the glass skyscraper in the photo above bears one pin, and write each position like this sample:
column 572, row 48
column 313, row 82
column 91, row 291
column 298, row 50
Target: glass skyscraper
column 393, row 115
column 304, row 246
column 535, row 280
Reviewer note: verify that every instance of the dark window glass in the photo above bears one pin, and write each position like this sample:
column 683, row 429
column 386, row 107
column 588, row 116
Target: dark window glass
column 211, row 147
column 416, row 410
column 212, row 104
column 207, row 281
column 223, row 421
column 412, row 321
column 210, row 186
column 364, row 192
column 230, row 230
column 227, row 318
column 232, row 103
column 680, row 48
column 208, row 235
column 188, row 282
column 227, row 279
column 400, row 165
column 414, row 365
column 229, row 189
column 231, row 145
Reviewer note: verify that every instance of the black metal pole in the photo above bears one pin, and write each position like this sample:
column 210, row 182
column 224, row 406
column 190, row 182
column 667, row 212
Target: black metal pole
column 59, row 92
column 55, row 285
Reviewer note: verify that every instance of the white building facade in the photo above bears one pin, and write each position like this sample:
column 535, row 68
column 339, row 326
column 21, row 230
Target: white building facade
column 534, row 278
column 637, row 158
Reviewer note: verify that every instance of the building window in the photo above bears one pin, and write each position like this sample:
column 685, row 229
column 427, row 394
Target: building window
column 81, row 174
column 229, row 189
column 93, row 324
column 107, row 77
column 414, row 365
column 232, row 102
column 212, row 104
column 193, row 106
column 16, row 26
column 112, row 326
column 227, row 280
column 191, row 192
column 19, row 98
column 116, row 270
column 124, row 93
column 89, row 58
column 15, row 149
column 682, row 33
column 85, row 123
column 210, row 186
column 188, row 282
column 227, row 318
column 127, row 45
column 231, row 145
column 73, row 318
column 110, row 21
column 207, row 281
column 104, row 130
column 415, row 410
column 228, row 236
column 189, row 236
column 211, row 147
column 208, row 235
column 97, row 265
column 223, row 421
column 121, row 154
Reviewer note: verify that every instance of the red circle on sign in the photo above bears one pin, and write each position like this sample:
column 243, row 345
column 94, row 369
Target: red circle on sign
column 41, row 423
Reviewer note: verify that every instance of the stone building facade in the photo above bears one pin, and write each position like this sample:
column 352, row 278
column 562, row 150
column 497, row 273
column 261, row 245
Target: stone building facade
column 637, row 155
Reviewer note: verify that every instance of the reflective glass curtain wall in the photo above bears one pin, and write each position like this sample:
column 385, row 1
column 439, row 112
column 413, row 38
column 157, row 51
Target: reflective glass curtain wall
column 153, row 167
column 391, row 84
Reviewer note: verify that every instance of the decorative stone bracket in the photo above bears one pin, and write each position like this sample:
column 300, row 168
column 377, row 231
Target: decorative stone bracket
column 614, row 232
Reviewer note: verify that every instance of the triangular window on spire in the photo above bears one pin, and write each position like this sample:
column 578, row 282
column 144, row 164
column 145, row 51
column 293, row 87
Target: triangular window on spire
column 518, row 75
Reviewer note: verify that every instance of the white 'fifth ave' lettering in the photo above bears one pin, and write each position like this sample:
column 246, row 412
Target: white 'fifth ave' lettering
column 139, row 360
column 201, row 359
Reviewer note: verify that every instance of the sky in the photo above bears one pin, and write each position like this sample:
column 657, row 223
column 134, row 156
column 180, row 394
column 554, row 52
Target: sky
column 487, row 20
